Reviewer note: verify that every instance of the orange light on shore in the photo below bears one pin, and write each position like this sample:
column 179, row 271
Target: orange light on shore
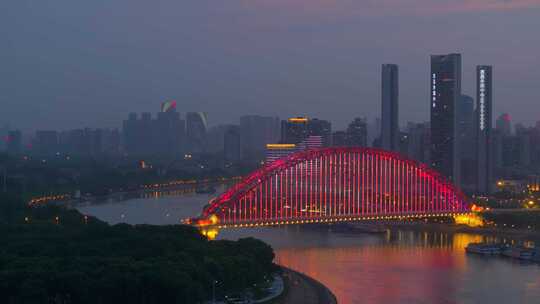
column 280, row 146
column 211, row 233
column 211, row 221
column 471, row 220
column 298, row 119
column 476, row 208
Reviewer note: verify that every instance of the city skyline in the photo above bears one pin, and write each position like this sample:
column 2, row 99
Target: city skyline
column 280, row 63
column 270, row 151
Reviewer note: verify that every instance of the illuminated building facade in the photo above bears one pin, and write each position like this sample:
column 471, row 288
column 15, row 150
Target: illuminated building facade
column 322, row 128
column 390, row 97
column 484, row 91
column 168, row 106
column 294, row 130
column 277, row 151
column 445, row 84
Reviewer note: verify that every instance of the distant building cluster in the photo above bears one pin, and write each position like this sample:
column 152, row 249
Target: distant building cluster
column 459, row 140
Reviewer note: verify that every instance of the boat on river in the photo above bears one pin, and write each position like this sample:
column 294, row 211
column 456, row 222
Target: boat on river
column 536, row 255
column 484, row 249
column 519, row 252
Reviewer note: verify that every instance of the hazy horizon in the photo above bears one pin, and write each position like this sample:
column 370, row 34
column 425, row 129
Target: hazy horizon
column 69, row 64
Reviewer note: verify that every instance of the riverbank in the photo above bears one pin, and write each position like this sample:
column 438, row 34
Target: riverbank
column 451, row 228
column 128, row 192
column 300, row 288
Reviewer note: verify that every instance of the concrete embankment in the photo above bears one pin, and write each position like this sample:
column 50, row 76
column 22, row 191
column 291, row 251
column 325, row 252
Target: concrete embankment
column 301, row 288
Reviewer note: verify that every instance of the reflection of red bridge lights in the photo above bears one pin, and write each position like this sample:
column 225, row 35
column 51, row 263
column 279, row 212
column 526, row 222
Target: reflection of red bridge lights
column 336, row 183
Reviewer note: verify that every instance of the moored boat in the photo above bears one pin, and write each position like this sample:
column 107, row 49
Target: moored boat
column 483, row 248
column 519, row 252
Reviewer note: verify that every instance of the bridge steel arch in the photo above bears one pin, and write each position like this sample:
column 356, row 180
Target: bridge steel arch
column 336, row 184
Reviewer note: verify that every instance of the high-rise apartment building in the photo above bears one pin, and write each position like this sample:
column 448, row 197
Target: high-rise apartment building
column 164, row 135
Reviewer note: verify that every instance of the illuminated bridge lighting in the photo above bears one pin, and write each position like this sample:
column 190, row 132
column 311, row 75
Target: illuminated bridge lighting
column 332, row 185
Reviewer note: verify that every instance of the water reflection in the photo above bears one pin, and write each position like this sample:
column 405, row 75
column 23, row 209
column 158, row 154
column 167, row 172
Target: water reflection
column 410, row 267
column 401, row 266
column 167, row 207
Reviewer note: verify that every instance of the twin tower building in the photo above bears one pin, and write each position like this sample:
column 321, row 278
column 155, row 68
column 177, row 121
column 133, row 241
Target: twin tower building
column 445, row 95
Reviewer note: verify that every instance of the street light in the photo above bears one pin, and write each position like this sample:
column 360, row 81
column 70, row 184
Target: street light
column 214, row 282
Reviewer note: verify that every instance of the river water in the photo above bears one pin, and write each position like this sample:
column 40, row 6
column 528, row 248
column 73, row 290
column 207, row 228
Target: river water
column 400, row 266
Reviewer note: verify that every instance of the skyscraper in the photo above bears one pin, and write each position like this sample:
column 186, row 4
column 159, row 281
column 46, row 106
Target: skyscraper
column 445, row 84
column 484, row 89
column 294, row 130
column 357, row 133
column 257, row 131
column 196, row 128
column 389, row 96
column 169, row 131
column 465, row 127
column 418, row 141
column 323, row 128
column 354, row 136
column 164, row 136
column 466, row 140
column 232, row 145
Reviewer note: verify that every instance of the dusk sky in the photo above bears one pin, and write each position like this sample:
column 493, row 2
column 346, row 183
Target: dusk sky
column 68, row 63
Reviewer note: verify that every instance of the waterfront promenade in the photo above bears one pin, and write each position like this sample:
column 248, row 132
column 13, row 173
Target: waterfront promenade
column 303, row 289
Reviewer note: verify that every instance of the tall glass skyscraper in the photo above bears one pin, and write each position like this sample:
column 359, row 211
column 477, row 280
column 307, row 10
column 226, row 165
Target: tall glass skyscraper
column 196, row 129
column 390, row 97
column 484, row 89
column 445, row 84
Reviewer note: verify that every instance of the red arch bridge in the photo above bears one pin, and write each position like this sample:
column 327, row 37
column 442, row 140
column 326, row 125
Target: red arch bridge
column 331, row 185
